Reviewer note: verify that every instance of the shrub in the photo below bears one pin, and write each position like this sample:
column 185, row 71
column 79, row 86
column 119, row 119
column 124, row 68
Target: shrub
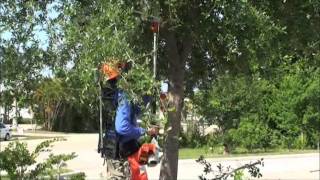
column 16, row 160
column 192, row 139
column 252, row 135
column 300, row 142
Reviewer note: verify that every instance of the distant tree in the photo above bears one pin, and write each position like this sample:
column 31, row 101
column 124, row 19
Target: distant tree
column 22, row 54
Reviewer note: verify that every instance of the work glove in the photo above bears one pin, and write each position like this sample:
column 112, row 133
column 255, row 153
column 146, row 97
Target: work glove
column 153, row 131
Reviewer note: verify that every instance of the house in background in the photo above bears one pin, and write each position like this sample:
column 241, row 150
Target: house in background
column 12, row 115
column 2, row 114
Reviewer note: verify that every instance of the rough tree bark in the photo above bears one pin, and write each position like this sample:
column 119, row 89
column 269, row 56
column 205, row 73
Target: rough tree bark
column 177, row 51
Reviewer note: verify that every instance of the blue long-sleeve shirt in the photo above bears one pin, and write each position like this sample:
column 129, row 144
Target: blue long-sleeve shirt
column 126, row 119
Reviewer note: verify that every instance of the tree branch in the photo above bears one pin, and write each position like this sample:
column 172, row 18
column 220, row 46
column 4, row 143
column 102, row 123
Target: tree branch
column 225, row 173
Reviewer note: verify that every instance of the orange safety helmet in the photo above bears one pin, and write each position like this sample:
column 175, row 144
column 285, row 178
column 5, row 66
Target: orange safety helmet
column 111, row 72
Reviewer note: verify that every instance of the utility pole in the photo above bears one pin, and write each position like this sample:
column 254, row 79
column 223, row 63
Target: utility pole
column 97, row 79
column 100, row 116
column 155, row 30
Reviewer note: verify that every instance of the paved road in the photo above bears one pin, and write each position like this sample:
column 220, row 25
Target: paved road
column 284, row 167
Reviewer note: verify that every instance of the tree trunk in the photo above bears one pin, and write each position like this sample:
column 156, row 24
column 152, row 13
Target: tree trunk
column 6, row 114
column 15, row 119
column 177, row 53
column 226, row 149
column 55, row 114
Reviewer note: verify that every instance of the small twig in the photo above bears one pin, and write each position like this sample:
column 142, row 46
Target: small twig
column 314, row 171
column 225, row 173
column 246, row 166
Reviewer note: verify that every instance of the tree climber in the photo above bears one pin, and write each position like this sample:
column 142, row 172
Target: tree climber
column 125, row 129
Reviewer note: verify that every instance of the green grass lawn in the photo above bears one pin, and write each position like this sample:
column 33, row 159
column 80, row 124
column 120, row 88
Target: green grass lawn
column 194, row 153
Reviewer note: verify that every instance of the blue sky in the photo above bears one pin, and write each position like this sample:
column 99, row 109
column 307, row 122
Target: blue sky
column 39, row 35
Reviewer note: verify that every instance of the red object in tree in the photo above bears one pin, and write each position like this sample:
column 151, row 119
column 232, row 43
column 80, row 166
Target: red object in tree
column 155, row 26
column 163, row 96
